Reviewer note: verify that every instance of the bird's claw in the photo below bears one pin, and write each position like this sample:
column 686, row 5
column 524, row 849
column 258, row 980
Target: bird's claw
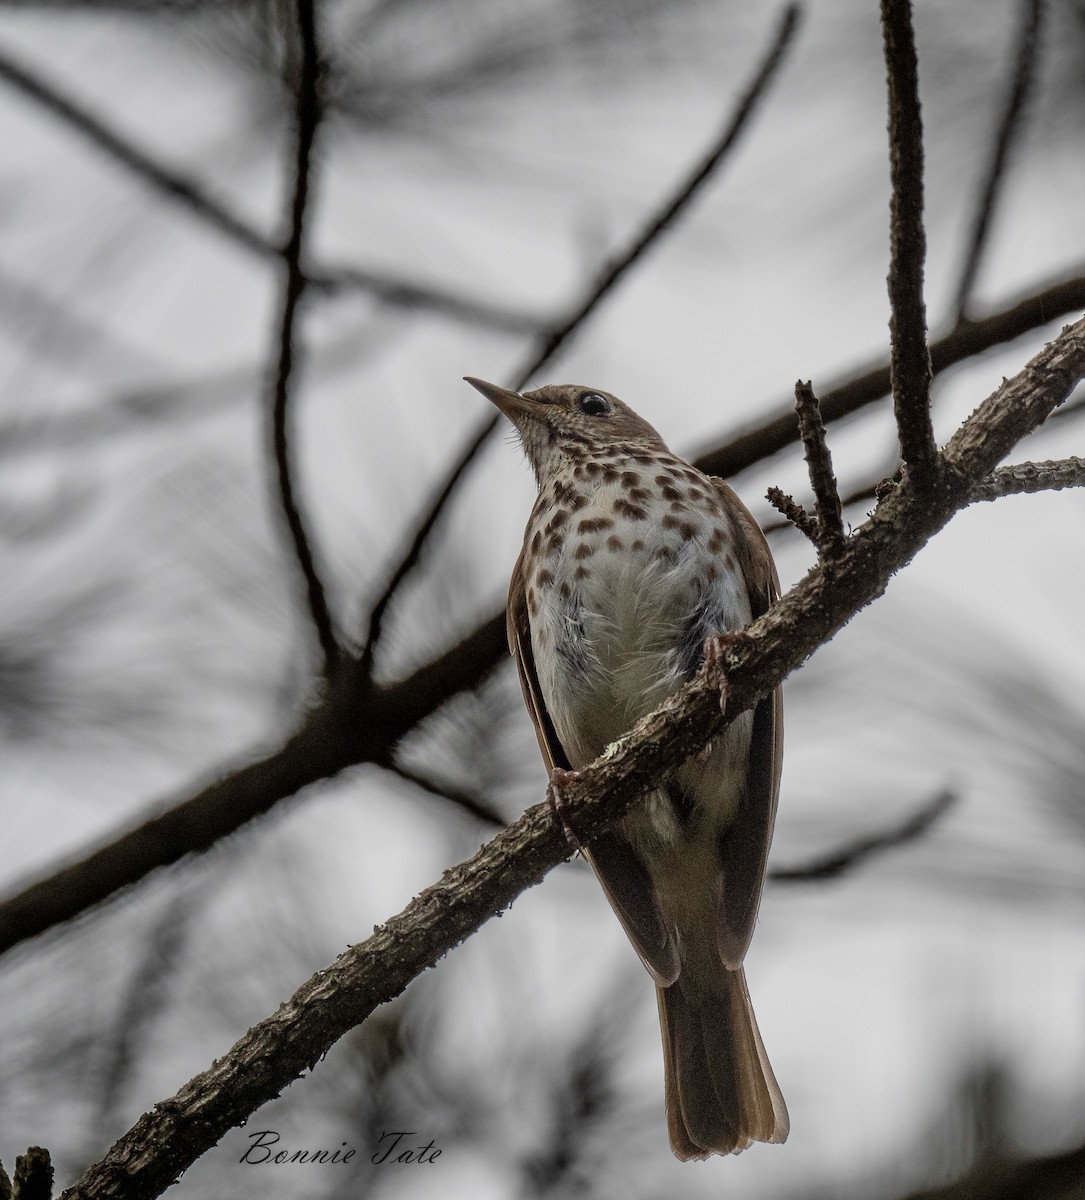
column 560, row 779
column 715, row 650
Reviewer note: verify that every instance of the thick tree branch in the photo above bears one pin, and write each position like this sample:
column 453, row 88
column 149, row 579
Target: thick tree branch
column 308, row 119
column 165, row 1141
column 216, row 215
column 747, row 447
column 557, row 337
column 910, row 369
column 1027, row 44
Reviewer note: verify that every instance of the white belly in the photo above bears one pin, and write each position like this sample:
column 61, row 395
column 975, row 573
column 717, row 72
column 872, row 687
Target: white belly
column 615, row 642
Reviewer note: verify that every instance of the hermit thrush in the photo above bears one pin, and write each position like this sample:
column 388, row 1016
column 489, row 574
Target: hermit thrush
column 632, row 560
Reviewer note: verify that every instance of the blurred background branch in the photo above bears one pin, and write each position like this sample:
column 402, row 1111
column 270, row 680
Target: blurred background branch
column 308, row 109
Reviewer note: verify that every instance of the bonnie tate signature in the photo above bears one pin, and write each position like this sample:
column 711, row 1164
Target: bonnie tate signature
column 390, row 1149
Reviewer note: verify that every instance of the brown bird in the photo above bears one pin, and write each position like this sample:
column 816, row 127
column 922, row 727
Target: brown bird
column 632, row 560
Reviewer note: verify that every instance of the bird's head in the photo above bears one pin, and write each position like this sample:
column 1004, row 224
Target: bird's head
column 565, row 421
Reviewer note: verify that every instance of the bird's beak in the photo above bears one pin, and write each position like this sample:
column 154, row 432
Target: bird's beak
column 512, row 404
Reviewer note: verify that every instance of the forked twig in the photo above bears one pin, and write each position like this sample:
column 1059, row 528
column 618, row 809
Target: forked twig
column 556, row 338
column 308, row 119
column 826, row 529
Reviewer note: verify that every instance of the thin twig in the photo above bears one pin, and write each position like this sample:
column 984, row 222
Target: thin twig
column 1027, row 478
column 793, row 514
column 468, row 801
column 830, row 521
column 215, row 214
column 308, row 119
column 911, row 366
column 847, row 857
column 559, row 335
column 168, row 1138
column 1026, row 43
column 747, row 447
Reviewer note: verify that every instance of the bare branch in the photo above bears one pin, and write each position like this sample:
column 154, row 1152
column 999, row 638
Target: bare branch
column 271, row 1055
column 1027, row 42
column 216, row 215
column 1029, row 477
column 830, row 521
column 1034, row 310
column 308, row 119
column 886, row 475
column 793, row 513
column 559, row 335
column 855, row 853
column 910, row 360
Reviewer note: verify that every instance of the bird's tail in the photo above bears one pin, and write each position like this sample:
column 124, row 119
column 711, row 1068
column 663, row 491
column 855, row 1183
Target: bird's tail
column 721, row 1092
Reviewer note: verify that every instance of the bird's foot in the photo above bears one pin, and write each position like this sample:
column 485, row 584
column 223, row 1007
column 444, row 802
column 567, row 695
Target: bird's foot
column 560, row 779
column 715, row 651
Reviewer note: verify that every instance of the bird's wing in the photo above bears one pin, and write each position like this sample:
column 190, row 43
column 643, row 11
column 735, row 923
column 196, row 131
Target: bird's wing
column 626, row 882
column 744, row 848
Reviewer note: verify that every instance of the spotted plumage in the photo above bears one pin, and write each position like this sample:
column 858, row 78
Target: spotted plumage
column 658, row 559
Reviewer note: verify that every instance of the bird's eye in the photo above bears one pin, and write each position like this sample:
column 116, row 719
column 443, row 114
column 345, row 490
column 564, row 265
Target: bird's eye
column 592, row 404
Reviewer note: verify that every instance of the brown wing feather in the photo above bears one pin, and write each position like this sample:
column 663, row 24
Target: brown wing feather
column 744, row 848
column 519, row 635
column 625, row 881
